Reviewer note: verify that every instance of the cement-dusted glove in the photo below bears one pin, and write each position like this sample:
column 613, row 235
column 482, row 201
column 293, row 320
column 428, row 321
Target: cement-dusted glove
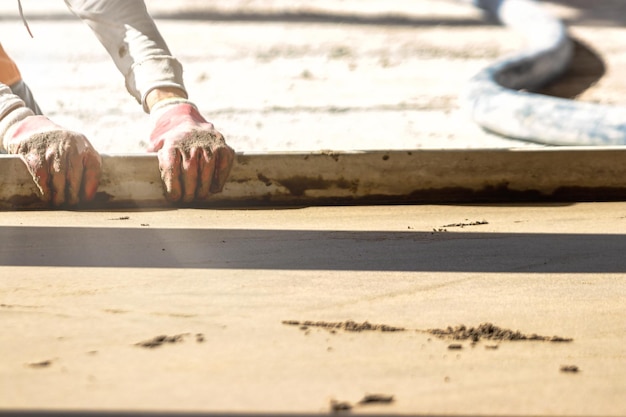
column 63, row 163
column 194, row 158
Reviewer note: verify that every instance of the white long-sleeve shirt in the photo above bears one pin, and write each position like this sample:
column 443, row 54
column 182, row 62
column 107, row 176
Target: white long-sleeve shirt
column 133, row 41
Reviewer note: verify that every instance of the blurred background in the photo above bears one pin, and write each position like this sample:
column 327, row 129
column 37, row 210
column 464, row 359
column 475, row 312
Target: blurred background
column 296, row 75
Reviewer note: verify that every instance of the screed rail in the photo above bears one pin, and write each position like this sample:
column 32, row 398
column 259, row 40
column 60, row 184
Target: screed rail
column 411, row 176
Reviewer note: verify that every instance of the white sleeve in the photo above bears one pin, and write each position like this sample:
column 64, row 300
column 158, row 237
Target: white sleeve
column 132, row 39
column 12, row 110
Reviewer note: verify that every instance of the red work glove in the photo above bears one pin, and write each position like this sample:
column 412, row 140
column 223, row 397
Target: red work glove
column 64, row 165
column 194, row 158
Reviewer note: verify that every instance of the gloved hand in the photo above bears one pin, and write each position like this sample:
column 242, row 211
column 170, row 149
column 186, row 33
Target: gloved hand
column 194, row 158
column 64, row 165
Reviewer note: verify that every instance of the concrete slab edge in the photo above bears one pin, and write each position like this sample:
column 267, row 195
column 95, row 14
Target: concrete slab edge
column 398, row 176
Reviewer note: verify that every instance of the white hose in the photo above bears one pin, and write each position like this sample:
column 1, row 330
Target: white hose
column 495, row 102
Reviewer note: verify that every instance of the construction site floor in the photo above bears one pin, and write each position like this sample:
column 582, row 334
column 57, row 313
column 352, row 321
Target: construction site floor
column 188, row 310
column 244, row 311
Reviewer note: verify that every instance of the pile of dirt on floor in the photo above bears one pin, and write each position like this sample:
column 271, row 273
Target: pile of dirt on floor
column 348, row 326
column 490, row 331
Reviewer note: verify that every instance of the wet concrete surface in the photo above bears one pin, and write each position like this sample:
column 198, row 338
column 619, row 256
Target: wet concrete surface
column 82, row 292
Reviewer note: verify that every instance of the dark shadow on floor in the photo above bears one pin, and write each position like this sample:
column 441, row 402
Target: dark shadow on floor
column 312, row 250
column 600, row 13
column 207, row 14
column 586, row 69
column 321, row 17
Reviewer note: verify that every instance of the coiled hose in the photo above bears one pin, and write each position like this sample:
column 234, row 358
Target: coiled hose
column 496, row 103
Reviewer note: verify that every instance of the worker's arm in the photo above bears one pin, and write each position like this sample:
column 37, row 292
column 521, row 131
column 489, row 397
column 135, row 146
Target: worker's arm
column 64, row 165
column 193, row 157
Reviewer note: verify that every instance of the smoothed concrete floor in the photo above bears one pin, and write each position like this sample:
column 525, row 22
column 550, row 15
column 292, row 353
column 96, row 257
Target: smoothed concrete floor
column 80, row 292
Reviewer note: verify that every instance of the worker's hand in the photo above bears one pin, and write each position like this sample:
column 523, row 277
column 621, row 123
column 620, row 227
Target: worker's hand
column 64, row 165
column 194, row 158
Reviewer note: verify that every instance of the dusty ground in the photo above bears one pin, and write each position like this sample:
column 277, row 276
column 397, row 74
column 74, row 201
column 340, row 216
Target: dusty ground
column 295, row 75
column 82, row 294
column 192, row 310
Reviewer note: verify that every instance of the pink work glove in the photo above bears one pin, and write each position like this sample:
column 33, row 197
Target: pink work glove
column 194, row 158
column 64, row 165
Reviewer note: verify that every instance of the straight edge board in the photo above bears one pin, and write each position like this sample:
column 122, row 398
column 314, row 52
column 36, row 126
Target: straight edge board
column 361, row 177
